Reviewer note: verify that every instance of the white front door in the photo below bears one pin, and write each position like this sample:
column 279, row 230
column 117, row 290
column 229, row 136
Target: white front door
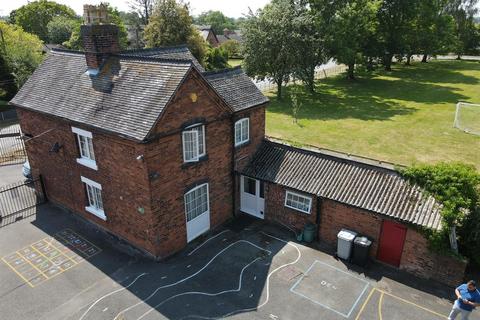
column 197, row 211
column 252, row 197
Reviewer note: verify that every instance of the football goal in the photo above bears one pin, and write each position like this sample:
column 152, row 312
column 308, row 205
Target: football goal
column 467, row 117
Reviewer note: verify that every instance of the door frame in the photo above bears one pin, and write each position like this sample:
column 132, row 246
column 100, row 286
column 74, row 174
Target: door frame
column 256, row 205
column 205, row 216
column 405, row 228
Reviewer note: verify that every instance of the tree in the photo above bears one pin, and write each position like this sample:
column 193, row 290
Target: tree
column 267, row 47
column 217, row 20
column 353, row 24
column 232, row 47
column 171, row 24
column 60, row 29
column 463, row 13
column 395, row 18
column 309, row 44
column 35, row 16
column 216, row 59
column 22, row 51
column 75, row 42
column 143, row 8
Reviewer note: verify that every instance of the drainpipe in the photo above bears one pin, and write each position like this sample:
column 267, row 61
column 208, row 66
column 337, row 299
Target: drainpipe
column 317, row 218
column 234, row 176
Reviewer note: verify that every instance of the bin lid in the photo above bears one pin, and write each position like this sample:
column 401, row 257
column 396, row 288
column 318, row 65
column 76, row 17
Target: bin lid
column 346, row 235
column 363, row 241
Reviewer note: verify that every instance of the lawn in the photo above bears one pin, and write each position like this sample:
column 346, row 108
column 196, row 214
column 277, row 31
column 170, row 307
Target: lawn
column 404, row 116
column 235, row 62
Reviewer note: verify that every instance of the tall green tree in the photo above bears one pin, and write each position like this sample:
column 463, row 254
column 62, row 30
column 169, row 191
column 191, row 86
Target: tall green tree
column 216, row 59
column 463, row 13
column 171, row 24
column 308, row 43
column 142, row 8
column 35, row 16
column 268, row 45
column 353, row 24
column 60, row 29
column 217, row 20
column 22, row 51
column 75, row 42
column 395, row 20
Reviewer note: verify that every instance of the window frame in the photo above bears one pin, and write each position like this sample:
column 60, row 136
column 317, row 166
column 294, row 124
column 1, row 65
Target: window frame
column 87, row 156
column 240, row 123
column 288, row 192
column 191, row 191
column 198, row 143
column 93, row 206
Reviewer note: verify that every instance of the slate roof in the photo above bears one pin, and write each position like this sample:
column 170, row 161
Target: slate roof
column 126, row 98
column 176, row 52
column 236, row 88
column 372, row 188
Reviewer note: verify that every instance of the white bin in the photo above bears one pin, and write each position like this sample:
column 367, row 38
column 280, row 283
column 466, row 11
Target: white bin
column 345, row 243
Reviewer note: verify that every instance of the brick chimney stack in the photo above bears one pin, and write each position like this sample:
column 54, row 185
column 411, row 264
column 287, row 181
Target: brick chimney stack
column 100, row 38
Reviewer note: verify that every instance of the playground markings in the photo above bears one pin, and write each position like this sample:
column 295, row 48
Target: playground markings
column 49, row 257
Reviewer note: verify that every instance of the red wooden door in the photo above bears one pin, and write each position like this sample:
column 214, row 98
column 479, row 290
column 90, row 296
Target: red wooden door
column 391, row 243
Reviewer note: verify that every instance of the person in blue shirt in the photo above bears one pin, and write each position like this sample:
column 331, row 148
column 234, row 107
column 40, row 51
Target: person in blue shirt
column 468, row 298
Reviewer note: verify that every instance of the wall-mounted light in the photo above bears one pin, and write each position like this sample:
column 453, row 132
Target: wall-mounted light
column 140, row 157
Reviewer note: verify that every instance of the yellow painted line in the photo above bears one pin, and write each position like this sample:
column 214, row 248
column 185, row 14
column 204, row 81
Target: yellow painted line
column 18, row 273
column 413, row 304
column 34, row 267
column 380, row 302
column 61, row 253
column 365, row 303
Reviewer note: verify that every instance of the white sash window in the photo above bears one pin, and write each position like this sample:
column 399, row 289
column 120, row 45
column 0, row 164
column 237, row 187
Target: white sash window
column 242, row 131
column 193, row 143
column 85, row 146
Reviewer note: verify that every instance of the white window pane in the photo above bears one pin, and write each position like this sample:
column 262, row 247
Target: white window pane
column 190, row 145
column 90, row 148
column 196, row 202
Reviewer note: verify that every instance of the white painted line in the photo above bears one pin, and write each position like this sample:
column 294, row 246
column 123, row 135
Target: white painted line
column 292, row 289
column 203, row 243
column 203, row 293
column 267, row 284
column 189, row 277
column 111, row 293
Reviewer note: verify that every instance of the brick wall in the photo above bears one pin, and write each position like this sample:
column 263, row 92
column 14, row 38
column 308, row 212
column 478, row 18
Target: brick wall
column 123, row 178
column 275, row 209
column 165, row 158
column 243, row 153
column 334, row 216
column 417, row 259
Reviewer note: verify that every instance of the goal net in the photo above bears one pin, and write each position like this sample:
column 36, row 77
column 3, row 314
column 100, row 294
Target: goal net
column 467, row 117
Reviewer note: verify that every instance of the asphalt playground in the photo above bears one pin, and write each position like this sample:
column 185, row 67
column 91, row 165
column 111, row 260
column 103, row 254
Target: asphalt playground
column 248, row 270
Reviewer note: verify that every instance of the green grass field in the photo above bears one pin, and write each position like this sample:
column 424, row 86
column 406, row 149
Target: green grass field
column 404, row 116
column 235, row 62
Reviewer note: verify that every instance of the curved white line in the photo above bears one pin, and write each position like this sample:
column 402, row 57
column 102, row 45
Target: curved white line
column 203, row 293
column 189, row 277
column 111, row 293
column 201, row 245
column 267, row 283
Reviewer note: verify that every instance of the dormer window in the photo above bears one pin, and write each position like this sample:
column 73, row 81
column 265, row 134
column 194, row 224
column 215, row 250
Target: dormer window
column 193, row 143
column 242, row 131
column 85, row 146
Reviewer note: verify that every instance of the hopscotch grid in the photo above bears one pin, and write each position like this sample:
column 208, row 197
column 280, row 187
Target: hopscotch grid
column 292, row 289
column 61, row 252
column 18, row 273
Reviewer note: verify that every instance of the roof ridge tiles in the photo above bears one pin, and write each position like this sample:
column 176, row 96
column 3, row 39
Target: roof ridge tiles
column 152, row 59
column 180, row 46
column 222, row 71
column 347, row 157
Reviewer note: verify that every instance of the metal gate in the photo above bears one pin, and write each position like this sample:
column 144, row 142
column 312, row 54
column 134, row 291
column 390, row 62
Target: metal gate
column 18, row 200
column 12, row 146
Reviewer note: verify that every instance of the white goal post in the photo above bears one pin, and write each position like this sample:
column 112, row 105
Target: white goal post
column 467, row 118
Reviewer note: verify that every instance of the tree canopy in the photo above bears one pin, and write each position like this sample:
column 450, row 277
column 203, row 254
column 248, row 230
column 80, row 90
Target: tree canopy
column 217, row 20
column 35, row 16
column 171, row 24
column 21, row 51
column 60, row 29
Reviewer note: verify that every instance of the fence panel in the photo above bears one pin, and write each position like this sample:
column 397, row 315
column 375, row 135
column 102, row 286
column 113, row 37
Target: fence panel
column 18, row 200
column 12, row 146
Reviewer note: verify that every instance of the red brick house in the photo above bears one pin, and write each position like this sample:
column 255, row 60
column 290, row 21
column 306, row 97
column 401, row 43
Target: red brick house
column 208, row 35
column 149, row 147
